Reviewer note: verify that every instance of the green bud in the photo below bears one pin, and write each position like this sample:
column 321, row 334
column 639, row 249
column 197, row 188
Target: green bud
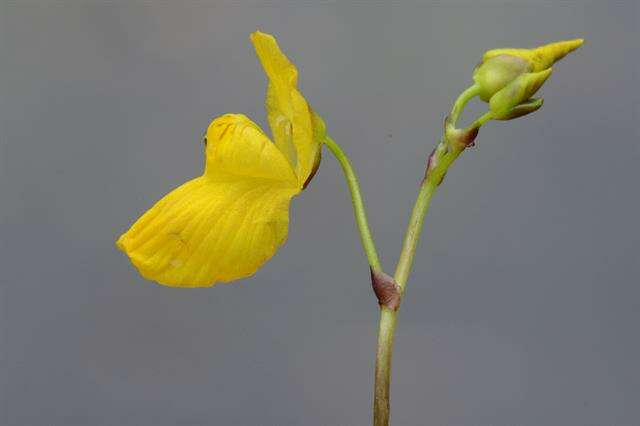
column 524, row 108
column 517, row 92
column 498, row 71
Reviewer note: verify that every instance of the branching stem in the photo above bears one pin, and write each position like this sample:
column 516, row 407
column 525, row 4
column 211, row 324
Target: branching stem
column 442, row 158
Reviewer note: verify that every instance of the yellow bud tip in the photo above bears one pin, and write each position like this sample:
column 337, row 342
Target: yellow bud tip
column 570, row 45
column 541, row 57
column 551, row 53
column 257, row 34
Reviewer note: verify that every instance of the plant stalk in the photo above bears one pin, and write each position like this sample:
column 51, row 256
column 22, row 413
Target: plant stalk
column 358, row 205
column 441, row 159
column 388, row 317
column 443, row 156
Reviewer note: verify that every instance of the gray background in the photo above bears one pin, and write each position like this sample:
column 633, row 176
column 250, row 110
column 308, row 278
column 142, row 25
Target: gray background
column 524, row 304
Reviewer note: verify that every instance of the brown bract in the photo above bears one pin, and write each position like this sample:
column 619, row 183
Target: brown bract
column 386, row 290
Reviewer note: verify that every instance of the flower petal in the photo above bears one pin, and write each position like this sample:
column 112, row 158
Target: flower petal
column 223, row 225
column 289, row 115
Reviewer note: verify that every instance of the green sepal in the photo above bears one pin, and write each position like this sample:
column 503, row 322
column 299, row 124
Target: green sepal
column 517, row 92
column 524, row 108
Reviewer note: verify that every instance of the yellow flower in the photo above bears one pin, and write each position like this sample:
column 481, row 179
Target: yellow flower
column 225, row 224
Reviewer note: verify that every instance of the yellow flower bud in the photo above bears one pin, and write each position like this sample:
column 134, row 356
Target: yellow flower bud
column 517, row 92
column 507, row 78
column 541, row 57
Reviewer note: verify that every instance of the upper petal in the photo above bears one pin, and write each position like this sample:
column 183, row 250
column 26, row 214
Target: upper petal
column 289, row 115
column 236, row 146
column 223, row 225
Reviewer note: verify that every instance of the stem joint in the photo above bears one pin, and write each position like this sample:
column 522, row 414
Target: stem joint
column 388, row 292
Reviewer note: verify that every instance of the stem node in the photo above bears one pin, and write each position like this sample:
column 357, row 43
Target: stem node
column 386, row 290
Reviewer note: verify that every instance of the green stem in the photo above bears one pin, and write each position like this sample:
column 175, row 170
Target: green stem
column 414, row 229
column 358, row 205
column 463, row 100
column 384, row 352
column 388, row 317
column 444, row 156
column 481, row 120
